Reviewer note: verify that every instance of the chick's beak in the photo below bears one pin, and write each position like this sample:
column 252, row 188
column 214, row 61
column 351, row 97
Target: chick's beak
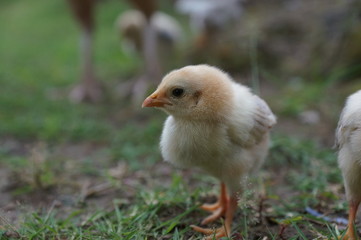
column 155, row 100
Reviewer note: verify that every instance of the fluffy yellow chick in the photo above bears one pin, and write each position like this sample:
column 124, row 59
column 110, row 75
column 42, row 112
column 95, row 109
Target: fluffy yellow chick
column 348, row 141
column 217, row 125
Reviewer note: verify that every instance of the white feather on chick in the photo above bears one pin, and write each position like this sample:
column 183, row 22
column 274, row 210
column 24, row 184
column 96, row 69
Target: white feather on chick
column 348, row 141
column 215, row 124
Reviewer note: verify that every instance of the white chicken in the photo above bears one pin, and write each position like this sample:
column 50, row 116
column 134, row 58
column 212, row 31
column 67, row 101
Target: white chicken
column 217, row 125
column 348, row 141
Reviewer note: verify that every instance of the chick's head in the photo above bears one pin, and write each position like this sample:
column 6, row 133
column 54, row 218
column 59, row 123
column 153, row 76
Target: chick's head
column 193, row 92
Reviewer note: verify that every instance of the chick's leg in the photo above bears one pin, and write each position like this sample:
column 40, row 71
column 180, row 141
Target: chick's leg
column 350, row 234
column 218, row 209
column 225, row 230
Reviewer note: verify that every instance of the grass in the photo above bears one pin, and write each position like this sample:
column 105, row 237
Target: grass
column 57, row 156
column 139, row 220
column 165, row 210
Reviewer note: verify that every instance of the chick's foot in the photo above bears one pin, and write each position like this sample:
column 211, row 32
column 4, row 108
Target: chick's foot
column 351, row 231
column 218, row 209
column 225, row 230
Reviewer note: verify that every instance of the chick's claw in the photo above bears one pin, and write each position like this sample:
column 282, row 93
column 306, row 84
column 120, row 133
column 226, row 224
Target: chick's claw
column 218, row 213
column 211, row 207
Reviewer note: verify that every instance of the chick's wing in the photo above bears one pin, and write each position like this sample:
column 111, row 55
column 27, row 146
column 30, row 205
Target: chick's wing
column 347, row 126
column 259, row 121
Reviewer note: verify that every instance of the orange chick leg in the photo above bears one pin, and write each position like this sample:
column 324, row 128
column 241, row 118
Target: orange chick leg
column 225, row 230
column 350, row 234
column 218, row 209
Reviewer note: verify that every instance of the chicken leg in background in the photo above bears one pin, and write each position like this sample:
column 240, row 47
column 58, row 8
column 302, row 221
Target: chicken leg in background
column 348, row 141
column 88, row 89
column 151, row 66
column 217, row 125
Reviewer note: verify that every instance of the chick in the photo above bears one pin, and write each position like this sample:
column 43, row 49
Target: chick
column 348, row 141
column 217, row 125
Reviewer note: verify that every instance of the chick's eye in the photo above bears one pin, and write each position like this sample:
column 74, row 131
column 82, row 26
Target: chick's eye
column 177, row 92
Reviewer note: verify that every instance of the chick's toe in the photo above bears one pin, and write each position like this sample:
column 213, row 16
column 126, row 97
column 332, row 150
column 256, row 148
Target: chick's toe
column 218, row 209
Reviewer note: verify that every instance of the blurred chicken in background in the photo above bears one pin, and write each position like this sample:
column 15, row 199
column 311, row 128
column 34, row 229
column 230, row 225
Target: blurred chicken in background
column 131, row 26
column 89, row 89
column 209, row 17
column 276, row 34
column 214, row 24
